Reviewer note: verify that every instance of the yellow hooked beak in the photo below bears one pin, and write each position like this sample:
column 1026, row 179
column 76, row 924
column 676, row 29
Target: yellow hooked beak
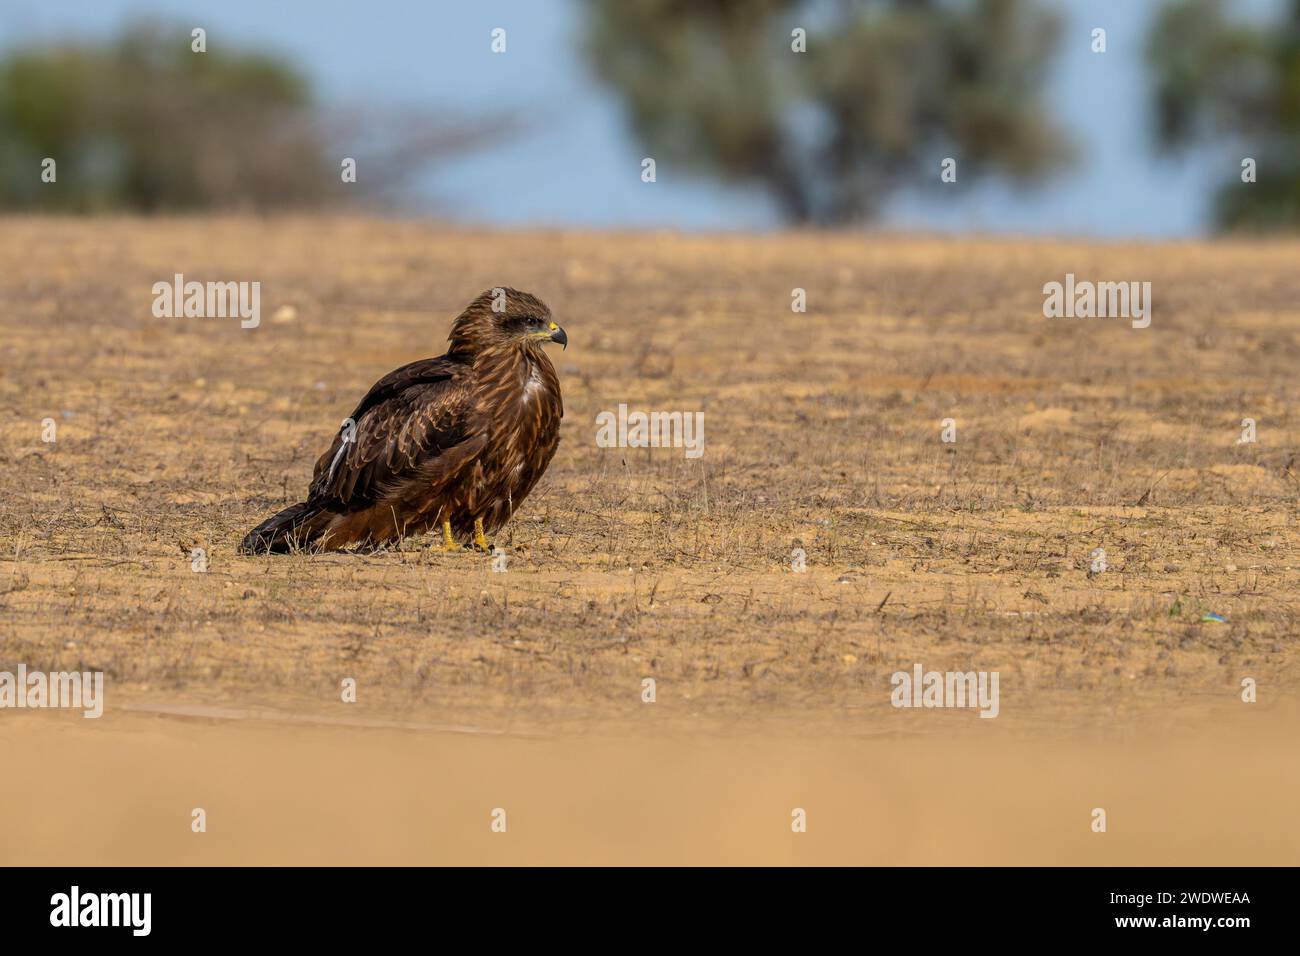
column 553, row 333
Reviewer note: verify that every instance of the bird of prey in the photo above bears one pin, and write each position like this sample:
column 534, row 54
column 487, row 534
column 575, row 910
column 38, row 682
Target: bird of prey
column 455, row 442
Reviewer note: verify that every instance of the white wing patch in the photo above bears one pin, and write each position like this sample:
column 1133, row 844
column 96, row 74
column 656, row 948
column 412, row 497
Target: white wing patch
column 338, row 456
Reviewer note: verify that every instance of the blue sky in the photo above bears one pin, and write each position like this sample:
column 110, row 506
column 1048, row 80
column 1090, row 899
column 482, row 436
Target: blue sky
column 575, row 163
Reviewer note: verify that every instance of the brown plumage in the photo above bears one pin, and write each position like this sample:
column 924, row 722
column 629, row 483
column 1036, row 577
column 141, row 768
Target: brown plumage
column 455, row 439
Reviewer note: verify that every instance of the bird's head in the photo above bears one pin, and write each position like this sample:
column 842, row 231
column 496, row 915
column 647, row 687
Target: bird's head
column 504, row 318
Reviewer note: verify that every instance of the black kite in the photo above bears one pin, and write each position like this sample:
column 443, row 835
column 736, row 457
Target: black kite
column 455, row 442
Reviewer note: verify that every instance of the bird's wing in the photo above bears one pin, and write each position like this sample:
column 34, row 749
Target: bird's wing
column 418, row 422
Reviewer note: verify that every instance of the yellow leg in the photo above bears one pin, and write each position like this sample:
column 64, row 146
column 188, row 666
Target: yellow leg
column 480, row 541
column 448, row 542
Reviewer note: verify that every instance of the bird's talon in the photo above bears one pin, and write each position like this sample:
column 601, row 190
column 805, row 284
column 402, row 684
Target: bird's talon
column 449, row 544
column 480, row 541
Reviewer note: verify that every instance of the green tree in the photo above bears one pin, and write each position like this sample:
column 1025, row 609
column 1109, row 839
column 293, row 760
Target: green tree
column 1234, row 83
column 144, row 123
column 885, row 90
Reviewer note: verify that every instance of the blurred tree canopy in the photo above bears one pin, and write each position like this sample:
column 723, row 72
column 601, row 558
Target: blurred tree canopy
column 1215, row 79
column 886, row 89
column 144, row 123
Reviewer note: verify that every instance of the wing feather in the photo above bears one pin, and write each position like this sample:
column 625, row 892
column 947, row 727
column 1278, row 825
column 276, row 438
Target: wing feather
column 416, row 424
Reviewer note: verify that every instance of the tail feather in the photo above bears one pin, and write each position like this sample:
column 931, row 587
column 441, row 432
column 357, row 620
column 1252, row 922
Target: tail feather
column 294, row 528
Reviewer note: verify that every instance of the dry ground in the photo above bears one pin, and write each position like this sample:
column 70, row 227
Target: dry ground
column 822, row 433
column 121, row 790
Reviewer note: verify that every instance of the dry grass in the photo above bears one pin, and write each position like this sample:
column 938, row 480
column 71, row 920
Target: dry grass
column 822, row 432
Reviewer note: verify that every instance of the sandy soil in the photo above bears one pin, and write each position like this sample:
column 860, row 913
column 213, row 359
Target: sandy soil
column 822, row 433
column 969, row 792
